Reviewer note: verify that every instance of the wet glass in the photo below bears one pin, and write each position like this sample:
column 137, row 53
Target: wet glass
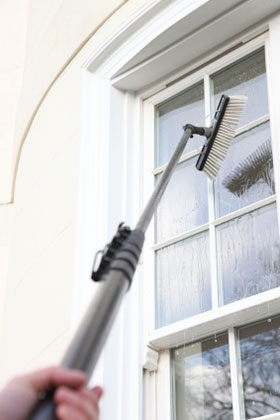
column 184, row 204
column 183, row 284
column 244, row 77
column 246, row 175
column 249, row 254
column 184, row 108
column 202, row 383
column 259, row 352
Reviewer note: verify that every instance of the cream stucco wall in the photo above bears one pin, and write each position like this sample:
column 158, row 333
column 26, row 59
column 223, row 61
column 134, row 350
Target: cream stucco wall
column 36, row 321
column 13, row 26
column 39, row 39
column 38, row 216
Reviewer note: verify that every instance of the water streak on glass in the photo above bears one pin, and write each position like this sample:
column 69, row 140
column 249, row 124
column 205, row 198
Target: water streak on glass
column 246, row 77
column 247, row 173
column 202, row 383
column 249, row 254
column 183, row 284
column 184, row 204
column 172, row 115
column 259, row 350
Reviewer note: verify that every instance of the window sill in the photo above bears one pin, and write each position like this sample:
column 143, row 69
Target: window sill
column 275, row 416
column 253, row 308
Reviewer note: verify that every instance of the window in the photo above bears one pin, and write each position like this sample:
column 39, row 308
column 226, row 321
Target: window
column 217, row 244
column 202, row 380
column 259, row 349
column 142, row 57
column 247, row 242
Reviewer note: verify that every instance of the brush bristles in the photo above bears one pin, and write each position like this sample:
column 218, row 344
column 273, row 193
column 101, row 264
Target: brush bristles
column 224, row 136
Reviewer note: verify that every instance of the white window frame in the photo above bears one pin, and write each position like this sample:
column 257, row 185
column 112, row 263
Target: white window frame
column 105, row 89
column 220, row 318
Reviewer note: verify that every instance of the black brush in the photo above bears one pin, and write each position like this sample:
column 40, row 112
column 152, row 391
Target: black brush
column 221, row 135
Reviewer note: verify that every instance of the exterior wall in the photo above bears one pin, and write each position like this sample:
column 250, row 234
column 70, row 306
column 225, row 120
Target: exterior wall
column 13, row 23
column 38, row 290
column 37, row 229
column 41, row 267
column 56, row 32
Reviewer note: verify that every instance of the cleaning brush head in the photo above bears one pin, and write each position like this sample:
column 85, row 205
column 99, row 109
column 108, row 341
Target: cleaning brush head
column 215, row 149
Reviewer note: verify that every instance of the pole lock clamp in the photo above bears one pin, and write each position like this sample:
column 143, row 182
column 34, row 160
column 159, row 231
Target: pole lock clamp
column 121, row 254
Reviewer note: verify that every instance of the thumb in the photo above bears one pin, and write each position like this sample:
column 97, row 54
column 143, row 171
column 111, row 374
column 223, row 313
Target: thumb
column 97, row 392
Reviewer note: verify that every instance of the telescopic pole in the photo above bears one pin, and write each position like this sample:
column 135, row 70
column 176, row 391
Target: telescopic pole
column 114, row 276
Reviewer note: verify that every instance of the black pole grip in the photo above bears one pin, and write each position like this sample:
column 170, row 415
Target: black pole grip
column 86, row 346
column 44, row 408
column 126, row 259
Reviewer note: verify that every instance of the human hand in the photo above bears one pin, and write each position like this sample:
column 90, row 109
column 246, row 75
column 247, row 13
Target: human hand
column 73, row 400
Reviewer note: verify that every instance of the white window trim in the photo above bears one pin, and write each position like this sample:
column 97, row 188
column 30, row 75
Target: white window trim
column 99, row 222
column 149, row 138
column 219, row 319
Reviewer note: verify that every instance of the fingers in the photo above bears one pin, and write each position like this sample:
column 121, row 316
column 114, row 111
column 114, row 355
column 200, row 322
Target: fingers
column 81, row 404
column 53, row 377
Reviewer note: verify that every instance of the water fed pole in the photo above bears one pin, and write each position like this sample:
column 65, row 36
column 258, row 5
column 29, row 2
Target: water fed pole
column 119, row 259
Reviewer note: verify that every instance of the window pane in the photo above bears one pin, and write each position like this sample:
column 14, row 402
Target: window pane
column 245, row 77
column 247, row 174
column 183, row 280
column 172, row 115
column 259, row 348
column 249, row 254
column 202, row 381
column 184, row 204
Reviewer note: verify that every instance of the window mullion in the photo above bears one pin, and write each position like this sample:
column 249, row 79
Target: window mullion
column 237, row 403
column 245, row 210
column 182, row 159
column 211, row 204
column 272, row 68
column 147, row 153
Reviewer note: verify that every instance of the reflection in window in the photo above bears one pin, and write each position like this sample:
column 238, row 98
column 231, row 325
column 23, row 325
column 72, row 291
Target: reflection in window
column 183, row 280
column 247, row 174
column 249, row 254
column 246, row 76
column 202, row 383
column 184, row 204
column 256, row 168
column 172, row 115
column 259, row 350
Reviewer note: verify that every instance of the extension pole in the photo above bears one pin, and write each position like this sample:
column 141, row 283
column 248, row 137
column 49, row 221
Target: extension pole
column 86, row 346
column 155, row 198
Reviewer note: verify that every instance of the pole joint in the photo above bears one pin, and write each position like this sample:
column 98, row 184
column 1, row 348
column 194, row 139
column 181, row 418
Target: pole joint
column 121, row 254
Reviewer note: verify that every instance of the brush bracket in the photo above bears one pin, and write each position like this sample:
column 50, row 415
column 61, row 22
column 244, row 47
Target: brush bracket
column 201, row 131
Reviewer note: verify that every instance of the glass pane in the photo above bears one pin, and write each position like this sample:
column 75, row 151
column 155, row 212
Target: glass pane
column 259, row 348
column 245, row 77
column 249, row 254
column 172, row 115
column 184, row 204
column 202, row 381
column 183, row 284
column 247, row 174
